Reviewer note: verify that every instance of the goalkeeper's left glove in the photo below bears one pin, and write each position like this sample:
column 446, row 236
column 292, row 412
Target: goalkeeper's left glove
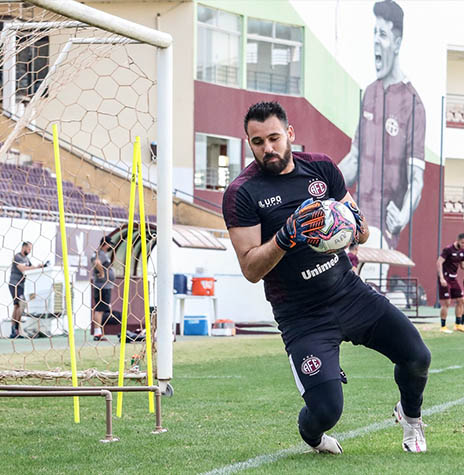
column 358, row 216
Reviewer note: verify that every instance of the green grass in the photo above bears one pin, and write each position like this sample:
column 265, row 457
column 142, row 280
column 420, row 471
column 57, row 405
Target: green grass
column 235, row 399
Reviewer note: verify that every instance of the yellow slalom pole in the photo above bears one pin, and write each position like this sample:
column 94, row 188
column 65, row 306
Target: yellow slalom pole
column 125, row 299
column 64, row 247
column 144, row 257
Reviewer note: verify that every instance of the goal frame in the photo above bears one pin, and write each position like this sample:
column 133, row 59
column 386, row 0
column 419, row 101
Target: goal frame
column 163, row 42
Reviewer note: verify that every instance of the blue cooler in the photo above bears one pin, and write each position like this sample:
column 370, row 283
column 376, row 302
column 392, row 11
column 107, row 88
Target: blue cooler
column 180, row 284
column 195, row 325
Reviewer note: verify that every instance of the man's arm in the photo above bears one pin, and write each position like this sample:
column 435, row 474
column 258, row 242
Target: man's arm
column 349, row 165
column 24, row 267
column 256, row 259
column 97, row 264
column 396, row 218
column 440, row 261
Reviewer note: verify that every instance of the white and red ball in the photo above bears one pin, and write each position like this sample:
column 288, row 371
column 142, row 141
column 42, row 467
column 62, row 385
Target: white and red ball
column 339, row 229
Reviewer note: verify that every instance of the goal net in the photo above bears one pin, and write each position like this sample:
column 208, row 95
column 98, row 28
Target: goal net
column 99, row 88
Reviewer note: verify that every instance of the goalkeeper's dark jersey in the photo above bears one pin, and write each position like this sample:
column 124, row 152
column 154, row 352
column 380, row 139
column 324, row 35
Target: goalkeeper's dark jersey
column 304, row 283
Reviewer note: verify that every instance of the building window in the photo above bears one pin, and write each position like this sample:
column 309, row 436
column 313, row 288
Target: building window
column 32, row 63
column 217, row 161
column 218, row 46
column 274, row 57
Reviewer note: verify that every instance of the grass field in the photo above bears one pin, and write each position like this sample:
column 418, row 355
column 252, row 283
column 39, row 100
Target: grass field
column 235, row 401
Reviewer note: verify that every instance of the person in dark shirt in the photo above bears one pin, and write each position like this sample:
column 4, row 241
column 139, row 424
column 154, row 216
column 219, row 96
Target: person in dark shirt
column 271, row 210
column 451, row 258
column 20, row 265
column 353, row 256
column 102, row 283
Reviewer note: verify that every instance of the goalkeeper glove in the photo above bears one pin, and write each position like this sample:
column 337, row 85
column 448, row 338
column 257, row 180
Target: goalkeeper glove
column 358, row 216
column 306, row 219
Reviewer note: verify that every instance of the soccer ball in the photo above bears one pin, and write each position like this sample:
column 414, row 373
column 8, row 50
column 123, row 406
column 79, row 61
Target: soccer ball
column 338, row 231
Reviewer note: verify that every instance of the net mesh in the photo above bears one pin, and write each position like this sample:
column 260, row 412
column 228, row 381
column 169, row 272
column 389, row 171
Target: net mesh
column 99, row 89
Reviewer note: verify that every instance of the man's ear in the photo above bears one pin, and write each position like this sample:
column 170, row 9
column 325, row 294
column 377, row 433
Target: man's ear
column 397, row 42
column 291, row 133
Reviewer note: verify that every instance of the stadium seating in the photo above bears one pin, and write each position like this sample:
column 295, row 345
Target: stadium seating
column 34, row 188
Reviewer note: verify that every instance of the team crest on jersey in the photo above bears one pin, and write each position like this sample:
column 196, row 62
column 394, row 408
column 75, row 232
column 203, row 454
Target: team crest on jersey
column 392, row 127
column 311, row 365
column 317, row 188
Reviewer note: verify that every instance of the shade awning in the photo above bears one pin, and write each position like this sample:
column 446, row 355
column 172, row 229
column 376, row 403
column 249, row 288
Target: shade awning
column 196, row 238
column 383, row 256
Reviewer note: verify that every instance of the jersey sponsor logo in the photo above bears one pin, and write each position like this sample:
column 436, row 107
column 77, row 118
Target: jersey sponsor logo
column 311, row 365
column 368, row 115
column 392, row 127
column 268, row 202
column 320, row 268
column 317, row 188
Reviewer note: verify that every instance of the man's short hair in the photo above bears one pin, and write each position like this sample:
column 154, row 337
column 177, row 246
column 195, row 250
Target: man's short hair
column 105, row 240
column 460, row 236
column 26, row 243
column 390, row 11
column 263, row 110
column 353, row 246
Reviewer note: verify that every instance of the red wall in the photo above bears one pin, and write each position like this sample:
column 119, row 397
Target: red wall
column 220, row 110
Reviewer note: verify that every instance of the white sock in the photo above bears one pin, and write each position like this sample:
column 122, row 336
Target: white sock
column 97, row 331
column 410, row 420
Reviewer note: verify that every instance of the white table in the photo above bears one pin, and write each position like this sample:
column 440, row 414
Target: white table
column 181, row 298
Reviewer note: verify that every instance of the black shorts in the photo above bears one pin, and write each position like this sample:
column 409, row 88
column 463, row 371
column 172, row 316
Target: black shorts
column 101, row 300
column 451, row 291
column 17, row 292
column 314, row 358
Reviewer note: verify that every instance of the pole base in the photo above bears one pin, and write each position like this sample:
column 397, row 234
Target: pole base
column 108, row 440
column 159, row 431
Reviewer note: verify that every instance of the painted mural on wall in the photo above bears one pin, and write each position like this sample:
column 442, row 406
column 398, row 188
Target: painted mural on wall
column 386, row 161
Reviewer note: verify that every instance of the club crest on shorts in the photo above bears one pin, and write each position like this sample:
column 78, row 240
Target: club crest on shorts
column 311, row 365
column 317, row 188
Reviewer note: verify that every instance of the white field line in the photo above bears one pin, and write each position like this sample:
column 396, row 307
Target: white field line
column 301, row 448
column 440, row 370
column 211, row 376
column 431, row 371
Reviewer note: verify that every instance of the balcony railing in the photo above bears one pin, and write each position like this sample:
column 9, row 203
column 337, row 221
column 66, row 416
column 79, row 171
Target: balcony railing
column 271, row 82
column 455, row 111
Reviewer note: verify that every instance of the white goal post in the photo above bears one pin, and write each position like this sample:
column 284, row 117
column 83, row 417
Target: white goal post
column 163, row 42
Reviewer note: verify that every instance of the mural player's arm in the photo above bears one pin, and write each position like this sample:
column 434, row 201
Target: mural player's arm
column 397, row 219
column 349, row 164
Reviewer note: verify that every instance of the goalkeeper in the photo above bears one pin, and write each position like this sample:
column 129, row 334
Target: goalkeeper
column 271, row 211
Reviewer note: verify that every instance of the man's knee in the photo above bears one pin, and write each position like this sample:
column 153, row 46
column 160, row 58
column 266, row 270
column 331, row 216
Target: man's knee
column 419, row 365
column 324, row 406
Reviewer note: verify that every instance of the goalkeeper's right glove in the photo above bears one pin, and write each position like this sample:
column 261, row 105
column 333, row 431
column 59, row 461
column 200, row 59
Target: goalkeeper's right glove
column 306, row 219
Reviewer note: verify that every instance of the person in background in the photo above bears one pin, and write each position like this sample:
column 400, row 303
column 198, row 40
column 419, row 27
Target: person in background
column 353, row 256
column 450, row 259
column 20, row 265
column 103, row 283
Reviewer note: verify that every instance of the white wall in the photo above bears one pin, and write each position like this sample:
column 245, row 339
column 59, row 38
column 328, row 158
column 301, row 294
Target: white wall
column 238, row 299
column 345, row 27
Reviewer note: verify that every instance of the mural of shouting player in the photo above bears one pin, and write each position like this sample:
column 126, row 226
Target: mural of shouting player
column 386, row 159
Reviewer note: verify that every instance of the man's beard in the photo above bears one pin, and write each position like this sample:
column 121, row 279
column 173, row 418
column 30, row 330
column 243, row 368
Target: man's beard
column 276, row 166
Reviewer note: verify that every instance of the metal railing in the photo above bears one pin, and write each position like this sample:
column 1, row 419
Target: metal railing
column 271, row 82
